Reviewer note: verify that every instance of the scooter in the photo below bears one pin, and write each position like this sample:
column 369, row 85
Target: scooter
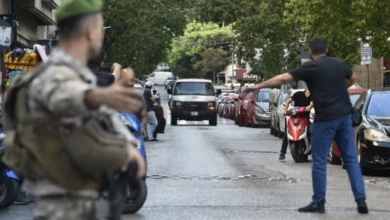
column 136, row 193
column 9, row 181
column 299, row 142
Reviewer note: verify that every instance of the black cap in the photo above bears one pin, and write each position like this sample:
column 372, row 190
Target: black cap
column 318, row 45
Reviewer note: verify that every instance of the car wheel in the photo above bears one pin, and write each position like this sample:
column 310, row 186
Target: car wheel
column 213, row 121
column 173, row 120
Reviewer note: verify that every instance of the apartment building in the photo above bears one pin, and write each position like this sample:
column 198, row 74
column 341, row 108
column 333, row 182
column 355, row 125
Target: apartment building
column 34, row 19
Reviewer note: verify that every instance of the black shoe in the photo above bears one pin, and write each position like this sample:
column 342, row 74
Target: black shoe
column 315, row 208
column 282, row 157
column 362, row 206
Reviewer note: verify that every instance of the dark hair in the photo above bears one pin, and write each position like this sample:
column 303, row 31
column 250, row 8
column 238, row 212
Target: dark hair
column 96, row 62
column 74, row 26
column 318, row 46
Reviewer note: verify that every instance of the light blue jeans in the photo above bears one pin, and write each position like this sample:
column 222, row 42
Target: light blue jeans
column 152, row 124
column 323, row 133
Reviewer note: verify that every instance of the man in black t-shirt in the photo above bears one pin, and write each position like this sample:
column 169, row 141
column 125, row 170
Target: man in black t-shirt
column 327, row 79
column 300, row 99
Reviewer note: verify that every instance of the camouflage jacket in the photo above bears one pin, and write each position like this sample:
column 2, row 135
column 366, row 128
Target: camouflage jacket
column 58, row 91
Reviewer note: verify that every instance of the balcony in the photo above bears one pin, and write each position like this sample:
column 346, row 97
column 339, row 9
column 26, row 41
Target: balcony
column 51, row 4
column 42, row 9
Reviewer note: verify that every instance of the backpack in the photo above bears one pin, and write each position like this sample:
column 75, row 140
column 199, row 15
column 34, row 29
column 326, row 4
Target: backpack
column 36, row 149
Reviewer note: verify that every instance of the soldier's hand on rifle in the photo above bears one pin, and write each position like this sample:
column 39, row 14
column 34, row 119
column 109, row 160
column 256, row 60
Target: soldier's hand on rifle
column 134, row 156
column 117, row 97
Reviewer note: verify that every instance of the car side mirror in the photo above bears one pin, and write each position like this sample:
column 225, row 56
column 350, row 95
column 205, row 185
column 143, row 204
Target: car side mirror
column 219, row 91
column 169, row 91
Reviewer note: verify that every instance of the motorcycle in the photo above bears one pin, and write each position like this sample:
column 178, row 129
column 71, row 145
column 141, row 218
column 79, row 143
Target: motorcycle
column 9, row 181
column 136, row 193
column 298, row 139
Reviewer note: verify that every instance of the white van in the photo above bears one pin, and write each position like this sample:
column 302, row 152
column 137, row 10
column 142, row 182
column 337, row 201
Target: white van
column 193, row 100
column 158, row 78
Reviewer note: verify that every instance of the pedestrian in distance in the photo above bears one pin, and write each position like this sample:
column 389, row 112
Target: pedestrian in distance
column 328, row 79
column 152, row 118
column 62, row 132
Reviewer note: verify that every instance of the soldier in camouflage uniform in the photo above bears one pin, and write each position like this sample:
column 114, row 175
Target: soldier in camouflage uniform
column 65, row 93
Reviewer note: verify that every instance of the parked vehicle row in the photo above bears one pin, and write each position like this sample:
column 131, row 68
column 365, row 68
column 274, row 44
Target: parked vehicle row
column 253, row 109
column 371, row 137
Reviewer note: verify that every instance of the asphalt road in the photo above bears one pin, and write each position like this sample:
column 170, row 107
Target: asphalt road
column 201, row 172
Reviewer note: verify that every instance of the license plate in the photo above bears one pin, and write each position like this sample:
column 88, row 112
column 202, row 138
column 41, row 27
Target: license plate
column 194, row 113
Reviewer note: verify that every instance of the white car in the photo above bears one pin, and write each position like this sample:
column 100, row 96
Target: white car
column 281, row 119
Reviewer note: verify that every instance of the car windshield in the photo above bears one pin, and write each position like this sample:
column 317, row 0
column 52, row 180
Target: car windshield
column 194, row 88
column 138, row 87
column 263, row 96
column 379, row 104
column 283, row 98
column 354, row 98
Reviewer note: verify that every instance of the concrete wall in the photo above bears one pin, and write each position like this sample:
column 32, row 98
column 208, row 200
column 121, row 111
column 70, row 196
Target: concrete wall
column 30, row 28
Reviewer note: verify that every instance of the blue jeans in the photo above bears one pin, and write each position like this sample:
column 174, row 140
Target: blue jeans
column 152, row 124
column 323, row 133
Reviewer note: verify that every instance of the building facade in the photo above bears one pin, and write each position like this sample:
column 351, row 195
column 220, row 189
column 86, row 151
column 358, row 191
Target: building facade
column 34, row 19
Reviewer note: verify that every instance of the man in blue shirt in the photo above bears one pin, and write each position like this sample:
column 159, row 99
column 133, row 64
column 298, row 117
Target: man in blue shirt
column 328, row 79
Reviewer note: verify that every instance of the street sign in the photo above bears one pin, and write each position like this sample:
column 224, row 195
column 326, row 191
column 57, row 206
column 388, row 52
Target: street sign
column 366, row 54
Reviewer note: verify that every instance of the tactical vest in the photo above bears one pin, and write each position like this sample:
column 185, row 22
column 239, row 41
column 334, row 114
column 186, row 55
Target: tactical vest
column 41, row 149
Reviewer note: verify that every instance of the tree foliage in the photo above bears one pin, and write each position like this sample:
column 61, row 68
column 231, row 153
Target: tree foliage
column 187, row 49
column 213, row 61
column 142, row 31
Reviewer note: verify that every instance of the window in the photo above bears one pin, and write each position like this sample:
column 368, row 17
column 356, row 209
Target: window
column 379, row 104
column 194, row 88
column 263, row 96
column 354, row 98
column 283, row 98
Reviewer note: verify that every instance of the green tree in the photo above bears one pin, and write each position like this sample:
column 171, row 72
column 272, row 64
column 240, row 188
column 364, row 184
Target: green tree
column 196, row 38
column 142, row 31
column 213, row 61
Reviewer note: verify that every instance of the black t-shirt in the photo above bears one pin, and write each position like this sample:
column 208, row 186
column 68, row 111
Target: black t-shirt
column 326, row 80
column 147, row 96
column 104, row 78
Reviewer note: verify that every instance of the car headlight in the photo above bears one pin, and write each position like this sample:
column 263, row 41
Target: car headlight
column 178, row 103
column 376, row 135
column 259, row 111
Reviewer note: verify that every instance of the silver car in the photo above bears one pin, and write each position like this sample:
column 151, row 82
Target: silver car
column 278, row 106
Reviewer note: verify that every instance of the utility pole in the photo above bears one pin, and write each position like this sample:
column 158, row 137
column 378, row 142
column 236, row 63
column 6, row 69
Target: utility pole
column 14, row 26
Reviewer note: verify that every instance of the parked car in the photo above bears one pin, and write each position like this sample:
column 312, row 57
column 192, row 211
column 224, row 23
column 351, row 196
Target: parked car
column 278, row 106
column 334, row 155
column 228, row 107
column 168, row 80
column 257, row 109
column 231, row 109
column 373, row 135
column 241, row 109
column 281, row 118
